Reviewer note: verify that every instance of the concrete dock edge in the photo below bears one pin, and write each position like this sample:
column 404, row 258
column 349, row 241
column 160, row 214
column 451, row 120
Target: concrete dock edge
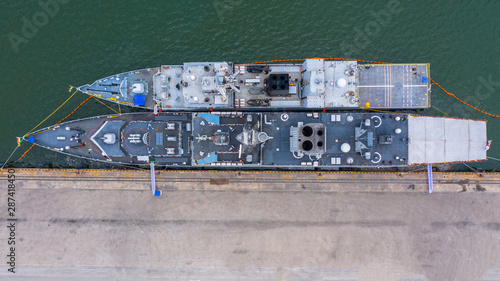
column 263, row 181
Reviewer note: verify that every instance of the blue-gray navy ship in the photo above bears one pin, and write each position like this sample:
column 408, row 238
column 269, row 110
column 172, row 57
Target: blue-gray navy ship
column 314, row 84
column 268, row 140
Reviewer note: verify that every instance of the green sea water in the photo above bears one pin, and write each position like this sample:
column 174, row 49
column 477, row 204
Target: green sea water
column 46, row 46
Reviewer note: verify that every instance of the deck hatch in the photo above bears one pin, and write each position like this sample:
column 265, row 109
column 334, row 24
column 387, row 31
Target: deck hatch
column 159, row 139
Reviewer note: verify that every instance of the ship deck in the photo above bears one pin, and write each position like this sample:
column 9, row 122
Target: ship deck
column 315, row 84
column 269, row 140
column 394, row 85
column 120, row 88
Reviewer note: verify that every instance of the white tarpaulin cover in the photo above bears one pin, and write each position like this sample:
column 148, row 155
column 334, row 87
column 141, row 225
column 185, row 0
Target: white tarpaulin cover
column 439, row 140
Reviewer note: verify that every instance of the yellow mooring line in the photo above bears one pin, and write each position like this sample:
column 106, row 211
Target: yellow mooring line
column 440, row 110
column 105, row 104
column 52, row 113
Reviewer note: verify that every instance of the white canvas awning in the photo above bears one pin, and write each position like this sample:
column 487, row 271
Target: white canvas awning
column 440, row 140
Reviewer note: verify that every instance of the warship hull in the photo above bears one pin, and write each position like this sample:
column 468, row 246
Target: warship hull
column 268, row 140
column 314, row 84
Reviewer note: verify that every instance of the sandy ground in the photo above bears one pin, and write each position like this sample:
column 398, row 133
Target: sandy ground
column 70, row 233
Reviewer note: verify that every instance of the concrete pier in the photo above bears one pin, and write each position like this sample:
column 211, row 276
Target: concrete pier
column 106, row 225
column 283, row 181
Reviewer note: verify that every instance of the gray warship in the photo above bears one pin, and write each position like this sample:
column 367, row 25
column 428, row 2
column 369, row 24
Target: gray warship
column 314, row 84
column 268, row 140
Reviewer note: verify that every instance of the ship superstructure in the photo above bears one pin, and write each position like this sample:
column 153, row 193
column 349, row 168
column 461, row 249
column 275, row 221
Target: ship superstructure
column 268, row 140
column 314, row 84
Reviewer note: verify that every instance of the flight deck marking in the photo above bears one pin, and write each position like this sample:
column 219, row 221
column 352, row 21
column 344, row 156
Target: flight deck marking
column 126, row 134
column 390, row 89
column 90, row 142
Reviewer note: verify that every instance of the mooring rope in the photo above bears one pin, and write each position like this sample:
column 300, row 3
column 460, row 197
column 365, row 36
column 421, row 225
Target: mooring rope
column 469, row 105
column 7, row 161
column 52, row 113
column 24, row 154
column 27, row 134
column 440, row 110
column 493, row 158
column 73, row 110
column 105, row 104
column 475, row 171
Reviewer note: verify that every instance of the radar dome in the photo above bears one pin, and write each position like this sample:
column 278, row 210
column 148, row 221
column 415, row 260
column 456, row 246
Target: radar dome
column 345, row 147
column 341, row 83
